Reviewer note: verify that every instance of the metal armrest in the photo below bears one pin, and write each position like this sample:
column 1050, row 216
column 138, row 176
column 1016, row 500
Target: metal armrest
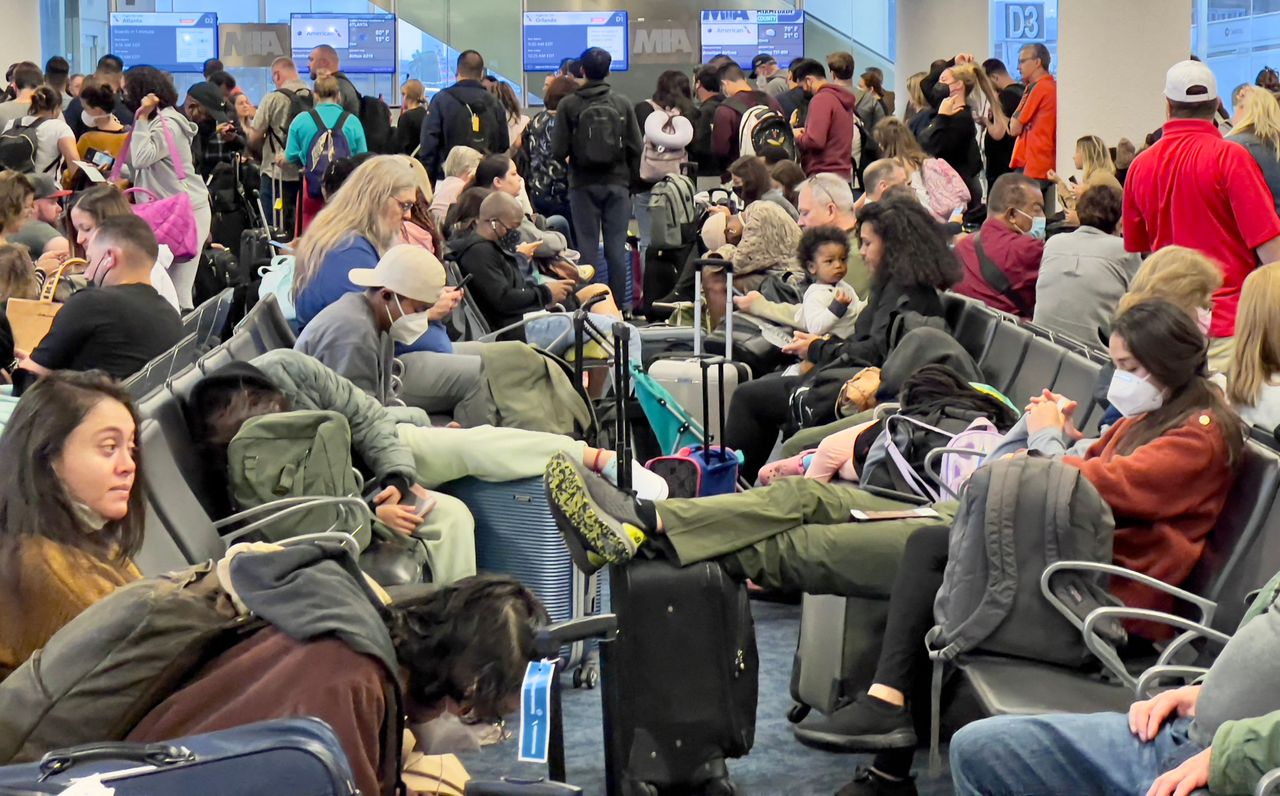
column 1269, row 784
column 285, row 506
column 935, row 457
column 1153, row 674
column 1207, row 607
column 1107, row 654
column 883, row 409
column 346, row 540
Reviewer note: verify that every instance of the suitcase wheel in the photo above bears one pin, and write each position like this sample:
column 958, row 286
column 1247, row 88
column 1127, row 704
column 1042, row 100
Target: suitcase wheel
column 587, row 676
column 798, row 712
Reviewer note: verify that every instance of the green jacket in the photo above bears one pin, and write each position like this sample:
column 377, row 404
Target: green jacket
column 527, row 390
column 1246, row 749
column 307, row 384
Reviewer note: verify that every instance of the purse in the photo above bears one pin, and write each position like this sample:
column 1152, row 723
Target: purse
column 172, row 218
column 858, row 393
column 31, row 319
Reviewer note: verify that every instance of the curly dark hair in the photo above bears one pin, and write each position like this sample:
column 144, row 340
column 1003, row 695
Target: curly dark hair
column 469, row 641
column 97, row 94
column 815, row 238
column 915, row 248
column 45, row 100
column 139, row 81
column 1100, row 207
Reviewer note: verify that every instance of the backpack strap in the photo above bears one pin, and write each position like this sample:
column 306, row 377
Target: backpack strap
column 1002, row 560
column 996, row 279
column 321, row 128
column 274, row 134
column 340, row 125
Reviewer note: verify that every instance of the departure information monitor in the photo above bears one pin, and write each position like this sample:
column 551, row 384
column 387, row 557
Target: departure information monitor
column 743, row 34
column 366, row 43
column 170, row 42
column 552, row 36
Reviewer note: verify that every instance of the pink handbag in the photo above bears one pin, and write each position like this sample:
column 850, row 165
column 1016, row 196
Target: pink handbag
column 171, row 218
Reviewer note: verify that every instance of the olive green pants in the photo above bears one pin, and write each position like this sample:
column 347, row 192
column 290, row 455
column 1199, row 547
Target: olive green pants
column 796, row 535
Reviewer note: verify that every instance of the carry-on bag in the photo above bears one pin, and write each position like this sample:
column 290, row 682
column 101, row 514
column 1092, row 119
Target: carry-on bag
column 706, row 469
column 267, row 758
column 675, row 719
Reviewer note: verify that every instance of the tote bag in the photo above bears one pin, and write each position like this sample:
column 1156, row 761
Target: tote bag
column 172, row 218
column 31, row 319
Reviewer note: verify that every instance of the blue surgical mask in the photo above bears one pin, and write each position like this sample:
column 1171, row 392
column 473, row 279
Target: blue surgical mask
column 1038, row 223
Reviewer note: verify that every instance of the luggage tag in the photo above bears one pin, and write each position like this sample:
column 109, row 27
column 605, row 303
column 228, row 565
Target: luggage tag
column 535, row 711
column 278, row 205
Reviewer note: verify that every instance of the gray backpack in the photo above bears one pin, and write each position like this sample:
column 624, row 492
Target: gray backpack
column 99, row 675
column 1016, row 517
column 671, row 212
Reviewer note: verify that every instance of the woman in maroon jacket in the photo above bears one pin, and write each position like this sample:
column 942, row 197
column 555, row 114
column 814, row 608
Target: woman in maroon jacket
column 1165, row 470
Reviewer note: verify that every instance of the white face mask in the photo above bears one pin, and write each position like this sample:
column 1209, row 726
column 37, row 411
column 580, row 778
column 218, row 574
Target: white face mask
column 1132, row 395
column 88, row 119
column 408, row 328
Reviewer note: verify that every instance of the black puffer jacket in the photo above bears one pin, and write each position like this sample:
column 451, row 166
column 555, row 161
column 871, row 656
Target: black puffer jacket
column 498, row 285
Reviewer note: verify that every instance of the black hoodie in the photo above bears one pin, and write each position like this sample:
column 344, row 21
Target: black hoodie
column 498, row 285
column 444, row 112
column 627, row 166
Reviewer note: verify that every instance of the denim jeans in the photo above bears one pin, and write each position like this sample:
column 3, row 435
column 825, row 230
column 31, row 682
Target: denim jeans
column 640, row 212
column 604, row 210
column 1064, row 754
column 289, row 189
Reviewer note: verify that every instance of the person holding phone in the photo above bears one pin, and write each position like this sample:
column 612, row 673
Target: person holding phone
column 102, row 142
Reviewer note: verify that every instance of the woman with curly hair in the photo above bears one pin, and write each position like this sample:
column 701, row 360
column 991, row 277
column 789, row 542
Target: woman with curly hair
column 910, row 264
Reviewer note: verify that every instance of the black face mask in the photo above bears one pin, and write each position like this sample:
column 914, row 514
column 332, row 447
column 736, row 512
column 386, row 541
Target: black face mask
column 939, row 93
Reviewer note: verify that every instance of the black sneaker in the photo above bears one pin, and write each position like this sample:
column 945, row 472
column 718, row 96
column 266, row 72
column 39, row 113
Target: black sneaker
column 867, row 725
column 868, row 783
column 600, row 523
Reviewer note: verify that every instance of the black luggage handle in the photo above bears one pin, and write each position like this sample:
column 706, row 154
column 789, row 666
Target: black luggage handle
column 550, row 639
column 156, row 754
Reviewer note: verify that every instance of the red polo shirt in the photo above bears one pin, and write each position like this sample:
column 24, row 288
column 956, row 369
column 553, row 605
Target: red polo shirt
column 1194, row 189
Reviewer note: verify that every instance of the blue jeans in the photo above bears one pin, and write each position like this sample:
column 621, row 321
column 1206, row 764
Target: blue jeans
column 560, row 224
column 640, row 212
column 290, row 190
column 604, row 210
column 1064, row 754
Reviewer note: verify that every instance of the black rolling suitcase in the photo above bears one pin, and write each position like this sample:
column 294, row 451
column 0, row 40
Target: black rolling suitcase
column 676, row 718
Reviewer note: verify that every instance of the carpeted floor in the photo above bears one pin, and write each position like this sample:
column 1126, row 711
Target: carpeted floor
column 777, row 765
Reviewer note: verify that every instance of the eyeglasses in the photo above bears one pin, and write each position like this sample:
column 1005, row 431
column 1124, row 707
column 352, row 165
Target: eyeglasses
column 406, row 207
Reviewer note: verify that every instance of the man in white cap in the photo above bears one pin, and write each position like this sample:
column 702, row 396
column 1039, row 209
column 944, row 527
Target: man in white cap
column 1192, row 188
column 403, row 296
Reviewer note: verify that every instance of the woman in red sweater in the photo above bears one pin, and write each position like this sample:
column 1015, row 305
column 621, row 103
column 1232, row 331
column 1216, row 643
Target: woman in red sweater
column 1165, row 470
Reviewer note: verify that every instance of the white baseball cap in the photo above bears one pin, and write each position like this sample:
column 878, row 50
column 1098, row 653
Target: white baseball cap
column 409, row 271
column 1190, row 81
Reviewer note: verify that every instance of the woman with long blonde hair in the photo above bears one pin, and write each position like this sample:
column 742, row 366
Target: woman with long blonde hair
column 953, row 135
column 1253, row 380
column 356, row 227
column 1093, row 159
column 1258, row 130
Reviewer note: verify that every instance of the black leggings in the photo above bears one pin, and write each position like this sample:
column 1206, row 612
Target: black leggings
column 756, row 415
column 902, row 653
column 919, row 577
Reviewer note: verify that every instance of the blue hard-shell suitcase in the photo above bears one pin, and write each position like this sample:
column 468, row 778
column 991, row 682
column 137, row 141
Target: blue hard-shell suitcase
column 516, row 535
column 301, row 757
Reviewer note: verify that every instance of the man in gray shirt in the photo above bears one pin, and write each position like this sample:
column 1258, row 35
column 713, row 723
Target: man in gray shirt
column 270, row 130
column 1221, row 734
column 27, row 77
column 401, row 296
column 37, row 232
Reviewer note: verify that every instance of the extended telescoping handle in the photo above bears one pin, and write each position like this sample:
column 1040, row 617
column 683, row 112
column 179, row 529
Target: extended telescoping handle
column 727, row 266
column 622, row 391
column 706, row 362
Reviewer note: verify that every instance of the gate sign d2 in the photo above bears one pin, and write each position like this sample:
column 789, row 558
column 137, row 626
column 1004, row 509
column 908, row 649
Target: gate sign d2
column 1024, row 21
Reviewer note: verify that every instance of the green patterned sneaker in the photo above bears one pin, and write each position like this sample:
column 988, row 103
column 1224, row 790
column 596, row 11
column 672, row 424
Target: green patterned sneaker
column 599, row 522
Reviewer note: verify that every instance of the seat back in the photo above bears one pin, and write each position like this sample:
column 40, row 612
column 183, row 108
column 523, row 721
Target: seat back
column 970, row 322
column 159, row 552
column 1242, row 552
column 154, row 374
column 169, row 411
column 1039, row 370
column 265, row 324
column 1004, row 354
column 175, row 505
column 1077, row 378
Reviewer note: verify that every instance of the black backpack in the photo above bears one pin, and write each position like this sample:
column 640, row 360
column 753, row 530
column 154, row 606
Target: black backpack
column 470, row 126
column 599, row 134
column 18, row 147
column 547, row 179
column 300, row 102
column 375, row 118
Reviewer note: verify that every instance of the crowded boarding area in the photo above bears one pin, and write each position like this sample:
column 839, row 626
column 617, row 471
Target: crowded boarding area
column 770, row 432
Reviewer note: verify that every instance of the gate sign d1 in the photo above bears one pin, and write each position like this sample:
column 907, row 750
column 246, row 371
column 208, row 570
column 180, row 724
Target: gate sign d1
column 1024, row 22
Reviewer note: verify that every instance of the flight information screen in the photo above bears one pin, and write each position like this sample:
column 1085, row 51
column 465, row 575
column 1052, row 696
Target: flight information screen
column 744, row 34
column 170, row 42
column 552, row 36
column 366, row 43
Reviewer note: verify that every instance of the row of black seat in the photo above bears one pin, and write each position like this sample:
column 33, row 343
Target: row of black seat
column 1241, row 553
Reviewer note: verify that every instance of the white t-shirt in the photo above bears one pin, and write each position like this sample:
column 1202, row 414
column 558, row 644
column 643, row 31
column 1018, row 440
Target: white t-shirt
column 47, row 137
column 160, row 279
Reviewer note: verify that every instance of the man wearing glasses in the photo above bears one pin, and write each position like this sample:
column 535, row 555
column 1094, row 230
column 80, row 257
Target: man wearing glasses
column 1035, row 122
